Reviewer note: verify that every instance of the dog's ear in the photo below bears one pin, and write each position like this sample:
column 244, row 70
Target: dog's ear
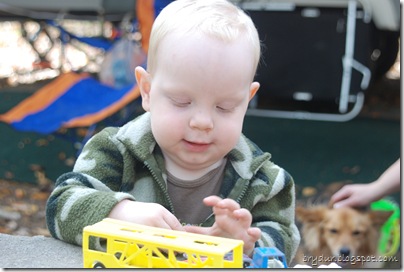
column 310, row 215
column 378, row 218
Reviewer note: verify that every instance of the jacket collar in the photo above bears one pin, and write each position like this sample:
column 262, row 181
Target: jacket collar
column 137, row 137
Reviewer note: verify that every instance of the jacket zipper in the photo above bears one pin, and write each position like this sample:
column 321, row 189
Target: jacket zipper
column 162, row 187
column 241, row 195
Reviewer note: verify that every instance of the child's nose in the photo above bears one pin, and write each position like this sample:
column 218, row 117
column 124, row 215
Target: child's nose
column 201, row 120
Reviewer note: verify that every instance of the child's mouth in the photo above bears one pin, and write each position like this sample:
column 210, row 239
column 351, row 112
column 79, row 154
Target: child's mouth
column 196, row 147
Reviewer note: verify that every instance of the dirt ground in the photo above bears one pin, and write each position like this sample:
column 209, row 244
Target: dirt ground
column 22, row 208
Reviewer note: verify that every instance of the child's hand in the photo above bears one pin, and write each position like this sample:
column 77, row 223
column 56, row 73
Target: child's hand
column 231, row 222
column 149, row 214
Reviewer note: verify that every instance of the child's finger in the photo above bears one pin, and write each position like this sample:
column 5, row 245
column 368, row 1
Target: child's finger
column 171, row 222
column 211, row 200
column 228, row 204
column 255, row 233
column 197, row 229
column 244, row 217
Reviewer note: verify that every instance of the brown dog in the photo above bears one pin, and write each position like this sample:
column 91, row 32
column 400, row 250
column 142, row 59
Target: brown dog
column 346, row 236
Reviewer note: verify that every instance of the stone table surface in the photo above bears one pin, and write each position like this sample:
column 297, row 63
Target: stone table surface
column 38, row 252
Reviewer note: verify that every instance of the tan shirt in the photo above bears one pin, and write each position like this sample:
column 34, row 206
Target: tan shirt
column 187, row 195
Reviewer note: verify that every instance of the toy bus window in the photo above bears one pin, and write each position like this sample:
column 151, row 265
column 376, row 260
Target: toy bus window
column 165, row 236
column 132, row 230
column 97, row 243
column 206, row 243
column 229, row 256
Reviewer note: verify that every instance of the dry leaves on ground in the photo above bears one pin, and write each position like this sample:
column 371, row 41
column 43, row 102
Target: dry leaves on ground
column 22, row 209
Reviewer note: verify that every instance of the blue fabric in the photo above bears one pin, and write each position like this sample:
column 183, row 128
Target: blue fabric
column 88, row 96
column 65, row 36
column 159, row 5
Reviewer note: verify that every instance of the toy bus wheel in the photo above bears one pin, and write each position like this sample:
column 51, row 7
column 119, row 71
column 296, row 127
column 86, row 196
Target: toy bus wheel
column 98, row 265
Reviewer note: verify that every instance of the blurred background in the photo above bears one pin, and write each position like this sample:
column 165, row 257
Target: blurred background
column 328, row 110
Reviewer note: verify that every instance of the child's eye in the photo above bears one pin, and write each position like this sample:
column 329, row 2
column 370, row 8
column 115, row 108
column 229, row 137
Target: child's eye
column 224, row 109
column 180, row 103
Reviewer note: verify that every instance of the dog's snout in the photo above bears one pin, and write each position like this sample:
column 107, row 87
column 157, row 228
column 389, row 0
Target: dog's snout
column 344, row 251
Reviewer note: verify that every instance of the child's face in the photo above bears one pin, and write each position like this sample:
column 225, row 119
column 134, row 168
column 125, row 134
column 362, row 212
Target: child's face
column 198, row 96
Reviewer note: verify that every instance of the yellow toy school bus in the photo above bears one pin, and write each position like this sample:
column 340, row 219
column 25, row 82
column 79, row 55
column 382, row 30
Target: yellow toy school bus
column 118, row 244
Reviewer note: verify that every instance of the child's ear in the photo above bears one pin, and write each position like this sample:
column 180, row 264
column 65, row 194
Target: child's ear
column 254, row 88
column 143, row 81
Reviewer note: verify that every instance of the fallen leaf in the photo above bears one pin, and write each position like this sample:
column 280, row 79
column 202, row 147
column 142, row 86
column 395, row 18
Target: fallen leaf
column 19, row 193
column 40, row 196
column 309, row 191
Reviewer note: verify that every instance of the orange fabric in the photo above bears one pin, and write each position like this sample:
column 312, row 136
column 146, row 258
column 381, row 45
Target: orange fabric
column 90, row 119
column 145, row 15
column 43, row 97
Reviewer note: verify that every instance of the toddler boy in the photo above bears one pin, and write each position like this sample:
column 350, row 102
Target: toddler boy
column 186, row 156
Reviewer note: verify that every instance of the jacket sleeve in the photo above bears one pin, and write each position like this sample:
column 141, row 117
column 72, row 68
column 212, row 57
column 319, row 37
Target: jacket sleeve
column 88, row 194
column 273, row 209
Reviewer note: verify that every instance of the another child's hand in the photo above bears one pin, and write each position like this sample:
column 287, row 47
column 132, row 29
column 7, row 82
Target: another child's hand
column 230, row 221
column 354, row 195
column 149, row 214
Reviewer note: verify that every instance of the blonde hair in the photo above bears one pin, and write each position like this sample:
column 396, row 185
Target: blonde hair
column 217, row 18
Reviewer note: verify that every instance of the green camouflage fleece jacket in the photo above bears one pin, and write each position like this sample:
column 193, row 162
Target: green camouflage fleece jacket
column 123, row 163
